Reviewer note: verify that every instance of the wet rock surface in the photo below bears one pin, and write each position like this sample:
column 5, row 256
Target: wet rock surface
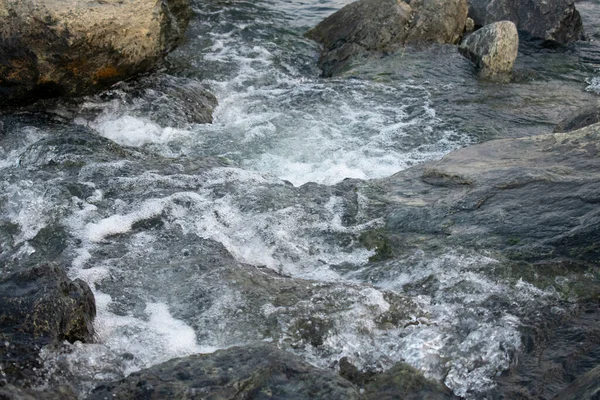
column 11, row 392
column 532, row 198
column 264, row 371
column 579, row 119
column 585, row 387
column 553, row 20
column 40, row 306
column 258, row 372
column 400, row 381
column 479, row 270
column 493, row 49
column 559, row 359
column 385, row 26
column 70, row 48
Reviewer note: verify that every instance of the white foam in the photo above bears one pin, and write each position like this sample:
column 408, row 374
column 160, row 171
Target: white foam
column 27, row 205
column 116, row 224
column 593, row 85
column 128, row 130
column 151, row 341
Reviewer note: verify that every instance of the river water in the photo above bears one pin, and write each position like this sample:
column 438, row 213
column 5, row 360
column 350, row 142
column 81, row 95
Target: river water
column 164, row 218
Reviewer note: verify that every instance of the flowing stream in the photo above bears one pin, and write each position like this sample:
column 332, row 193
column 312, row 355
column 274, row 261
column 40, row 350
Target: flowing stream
column 168, row 221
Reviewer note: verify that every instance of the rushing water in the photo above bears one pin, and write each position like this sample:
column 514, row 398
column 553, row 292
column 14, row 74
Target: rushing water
column 168, row 228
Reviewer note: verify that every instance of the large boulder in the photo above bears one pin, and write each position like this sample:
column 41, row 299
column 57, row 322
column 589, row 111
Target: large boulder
column 533, row 198
column 40, row 306
column 54, row 48
column 548, row 20
column 384, row 26
column 493, row 49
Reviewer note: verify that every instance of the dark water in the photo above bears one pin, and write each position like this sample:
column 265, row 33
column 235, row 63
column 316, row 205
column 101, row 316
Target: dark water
column 158, row 214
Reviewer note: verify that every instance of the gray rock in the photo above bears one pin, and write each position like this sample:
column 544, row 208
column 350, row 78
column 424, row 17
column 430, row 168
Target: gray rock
column 437, row 21
column 55, row 48
column 399, row 382
column 253, row 372
column 493, row 49
column 532, row 198
column 558, row 358
column 40, row 306
column 168, row 100
column 384, row 26
column 586, row 387
column 549, row 20
column 579, row 119
column 11, row 392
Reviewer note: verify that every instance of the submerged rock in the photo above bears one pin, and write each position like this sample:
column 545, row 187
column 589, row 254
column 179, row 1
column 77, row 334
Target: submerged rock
column 166, row 100
column 493, row 49
column 399, row 382
column 384, row 26
column 548, row 20
column 263, row 371
column 55, row 48
column 404, row 382
column 40, row 306
column 558, row 358
column 579, row 119
column 585, row 387
column 258, row 372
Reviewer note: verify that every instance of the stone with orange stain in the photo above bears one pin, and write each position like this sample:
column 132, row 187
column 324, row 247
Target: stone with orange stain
column 87, row 45
column 107, row 73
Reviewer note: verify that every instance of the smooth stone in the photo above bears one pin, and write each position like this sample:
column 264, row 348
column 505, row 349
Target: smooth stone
column 493, row 49
column 549, row 20
column 380, row 26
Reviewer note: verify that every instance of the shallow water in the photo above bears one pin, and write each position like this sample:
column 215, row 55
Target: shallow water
column 170, row 225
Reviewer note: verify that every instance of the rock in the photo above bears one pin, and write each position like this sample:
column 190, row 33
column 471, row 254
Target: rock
column 365, row 25
column 469, row 25
column 579, row 119
column 549, row 20
column 558, row 358
column 437, row 21
column 533, row 198
column 399, row 382
column 385, row 26
column 530, row 204
column 11, row 392
column 586, row 387
column 493, row 49
column 55, row 48
column 40, row 306
column 404, row 382
column 167, row 100
column 258, row 372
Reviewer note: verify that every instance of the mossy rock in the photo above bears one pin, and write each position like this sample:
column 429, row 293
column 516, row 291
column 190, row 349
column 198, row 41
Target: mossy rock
column 379, row 241
column 572, row 281
column 313, row 330
column 404, row 382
